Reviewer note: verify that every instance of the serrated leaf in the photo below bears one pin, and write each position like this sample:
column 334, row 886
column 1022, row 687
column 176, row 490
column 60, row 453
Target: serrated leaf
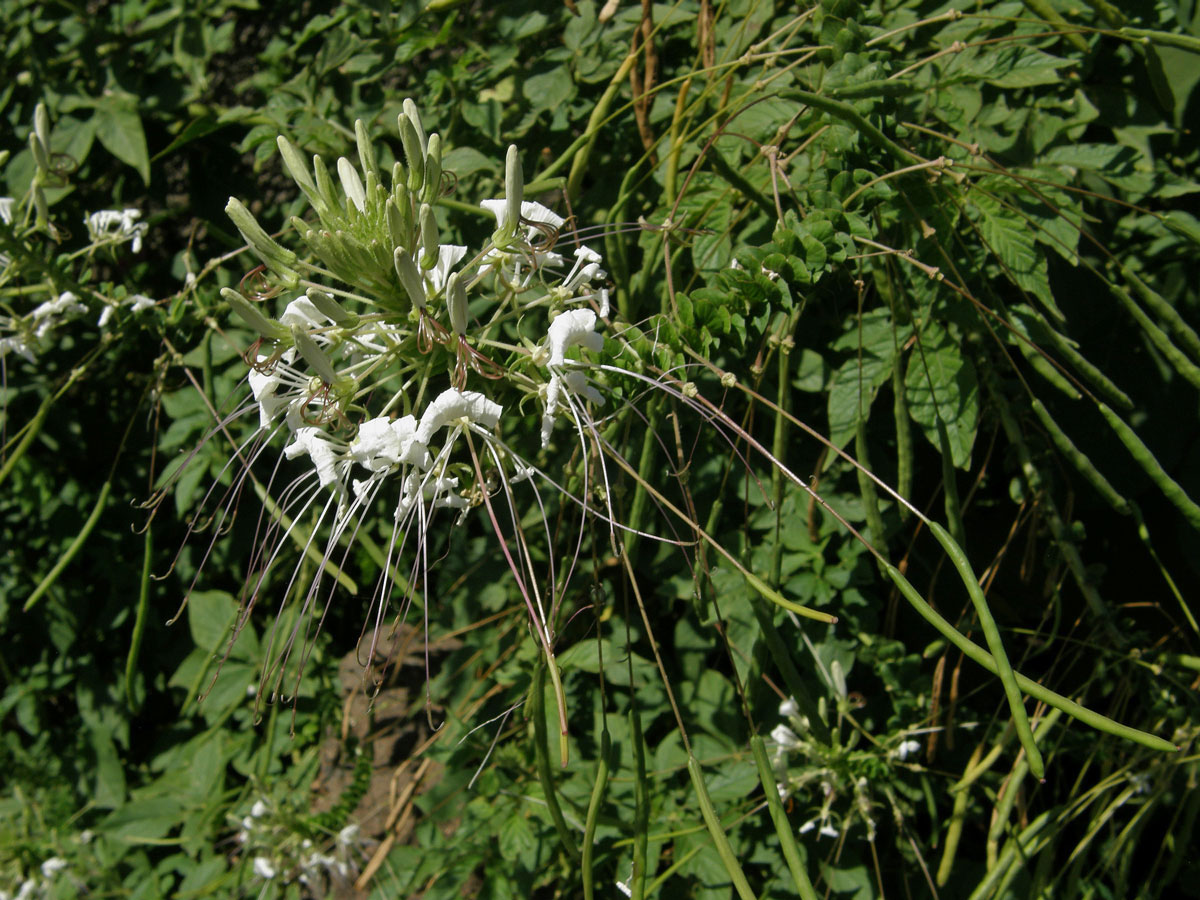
column 941, row 383
column 851, row 393
column 1013, row 241
column 119, row 128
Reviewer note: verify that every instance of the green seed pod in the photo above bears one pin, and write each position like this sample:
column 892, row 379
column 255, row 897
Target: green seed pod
column 410, row 277
column 429, row 237
column 298, row 169
column 366, row 152
column 249, row 314
column 414, row 153
column 456, row 300
column 514, row 190
column 433, row 170
column 278, row 259
column 314, row 355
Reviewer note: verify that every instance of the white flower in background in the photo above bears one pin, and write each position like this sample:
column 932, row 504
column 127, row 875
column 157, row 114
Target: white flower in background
column 263, row 868
column 115, row 226
column 19, row 345
column 6, row 209
column 53, row 866
column 826, row 830
column 574, row 328
column 789, row 708
column 136, row 304
column 906, row 749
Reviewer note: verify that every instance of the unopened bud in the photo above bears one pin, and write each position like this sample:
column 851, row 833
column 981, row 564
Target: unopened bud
column 41, row 125
column 325, row 188
column 351, row 184
column 414, row 116
column 298, row 169
column 330, row 308
column 41, row 156
column 366, row 152
column 414, row 153
column 433, row 170
column 314, row 355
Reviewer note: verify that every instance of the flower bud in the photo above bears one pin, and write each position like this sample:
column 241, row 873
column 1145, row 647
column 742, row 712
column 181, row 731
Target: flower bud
column 456, row 300
column 298, row 169
column 410, row 278
column 41, row 156
column 433, row 170
column 397, row 231
column 366, row 153
column 351, row 185
column 414, row 116
column 414, row 153
column 278, row 259
column 265, row 326
column 41, row 125
column 325, row 188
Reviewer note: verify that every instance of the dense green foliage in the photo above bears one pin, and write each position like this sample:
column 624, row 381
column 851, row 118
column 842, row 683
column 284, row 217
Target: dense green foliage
column 873, row 267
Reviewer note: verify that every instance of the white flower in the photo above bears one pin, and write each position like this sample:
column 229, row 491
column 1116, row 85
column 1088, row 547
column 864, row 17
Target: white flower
column 348, row 835
column 263, row 868
column 17, row 344
column 826, row 830
column 117, row 226
column 452, row 405
column 571, row 328
column 530, row 211
column 784, row 738
column 325, row 455
column 907, row 749
column 789, row 708
column 259, row 809
column 53, row 866
column 6, row 210
column 449, row 256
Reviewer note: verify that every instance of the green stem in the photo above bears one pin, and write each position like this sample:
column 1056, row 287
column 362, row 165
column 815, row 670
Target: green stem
column 139, row 623
column 541, row 743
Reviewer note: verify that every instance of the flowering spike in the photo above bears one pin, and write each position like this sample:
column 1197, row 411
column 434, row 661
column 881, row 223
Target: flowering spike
column 456, row 300
column 410, row 277
column 268, row 328
column 514, row 191
column 279, row 259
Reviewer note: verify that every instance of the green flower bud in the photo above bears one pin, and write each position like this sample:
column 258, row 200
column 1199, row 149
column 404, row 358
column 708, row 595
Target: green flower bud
column 433, row 170
column 249, row 314
column 41, row 125
column 456, row 300
column 366, row 152
column 41, row 156
column 410, row 278
column 352, row 186
column 278, row 259
column 414, row 116
column 327, row 191
column 298, row 169
column 414, row 152
column 395, row 224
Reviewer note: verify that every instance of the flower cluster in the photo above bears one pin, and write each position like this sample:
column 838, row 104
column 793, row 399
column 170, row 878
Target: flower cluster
column 397, row 359
column 277, row 852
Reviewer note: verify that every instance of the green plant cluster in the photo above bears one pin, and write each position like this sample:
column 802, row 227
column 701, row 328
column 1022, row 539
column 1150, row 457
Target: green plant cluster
column 872, row 575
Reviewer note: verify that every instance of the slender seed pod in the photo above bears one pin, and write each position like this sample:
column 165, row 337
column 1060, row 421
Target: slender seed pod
column 456, row 300
column 514, row 191
column 429, row 237
column 330, row 308
column 279, row 259
column 1151, row 466
column 314, row 355
column 366, row 153
column 410, row 277
column 246, row 311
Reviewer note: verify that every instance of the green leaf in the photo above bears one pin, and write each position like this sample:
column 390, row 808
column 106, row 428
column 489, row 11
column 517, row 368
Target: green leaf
column 941, row 382
column 210, row 613
column 119, row 129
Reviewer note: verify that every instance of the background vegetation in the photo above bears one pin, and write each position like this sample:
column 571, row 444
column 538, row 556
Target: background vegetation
column 952, row 243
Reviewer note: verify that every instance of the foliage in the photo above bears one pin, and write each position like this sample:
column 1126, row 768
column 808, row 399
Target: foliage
column 873, row 266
